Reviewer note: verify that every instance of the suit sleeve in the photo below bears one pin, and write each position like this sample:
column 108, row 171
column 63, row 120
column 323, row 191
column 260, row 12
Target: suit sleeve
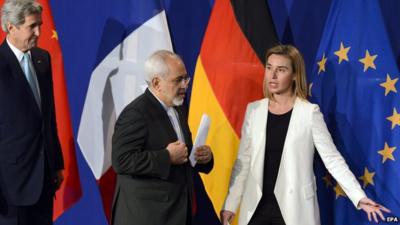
column 333, row 160
column 205, row 168
column 241, row 167
column 128, row 154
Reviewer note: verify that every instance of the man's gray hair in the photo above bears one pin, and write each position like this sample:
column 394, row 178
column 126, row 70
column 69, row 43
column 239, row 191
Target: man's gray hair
column 14, row 12
column 156, row 64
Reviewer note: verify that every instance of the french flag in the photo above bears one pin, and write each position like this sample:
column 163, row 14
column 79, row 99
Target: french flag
column 138, row 29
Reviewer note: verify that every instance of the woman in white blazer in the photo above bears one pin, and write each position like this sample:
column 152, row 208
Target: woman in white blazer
column 273, row 180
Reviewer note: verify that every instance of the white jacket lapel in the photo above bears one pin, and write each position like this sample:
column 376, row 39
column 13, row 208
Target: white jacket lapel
column 259, row 134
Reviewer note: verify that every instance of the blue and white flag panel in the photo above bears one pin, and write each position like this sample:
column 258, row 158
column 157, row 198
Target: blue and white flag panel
column 112, row 41
column 105, row 44
column 116, row 81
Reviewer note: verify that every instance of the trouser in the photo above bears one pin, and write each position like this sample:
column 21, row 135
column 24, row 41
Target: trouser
column 40, row 213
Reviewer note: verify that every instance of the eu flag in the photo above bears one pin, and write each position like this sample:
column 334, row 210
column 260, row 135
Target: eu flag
column 355, row 82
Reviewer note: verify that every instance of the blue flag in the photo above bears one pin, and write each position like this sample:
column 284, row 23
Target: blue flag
column 355, row 82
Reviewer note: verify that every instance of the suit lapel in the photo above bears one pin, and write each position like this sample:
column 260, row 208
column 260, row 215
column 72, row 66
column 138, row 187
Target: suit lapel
column 183, row 124
column 14, row 65
column 292, row 124
column 287, row 158
column 259, row 132
column 39, row 65
column 165, row 121
column 17, row 73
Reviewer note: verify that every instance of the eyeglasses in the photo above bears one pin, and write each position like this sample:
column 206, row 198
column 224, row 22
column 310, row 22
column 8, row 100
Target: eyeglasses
column 184, row 78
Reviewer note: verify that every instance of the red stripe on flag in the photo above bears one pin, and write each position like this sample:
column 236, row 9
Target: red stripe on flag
column 107, row 187
column 232, row 66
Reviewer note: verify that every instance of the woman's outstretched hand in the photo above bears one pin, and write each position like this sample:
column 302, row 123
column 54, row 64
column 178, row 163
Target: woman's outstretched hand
column 372, row 209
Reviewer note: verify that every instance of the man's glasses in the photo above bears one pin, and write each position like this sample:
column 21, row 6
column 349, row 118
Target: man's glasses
column 184, row 78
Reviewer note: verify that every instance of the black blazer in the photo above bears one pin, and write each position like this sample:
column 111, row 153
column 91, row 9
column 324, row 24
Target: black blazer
column 28, row 135
column 150, row 191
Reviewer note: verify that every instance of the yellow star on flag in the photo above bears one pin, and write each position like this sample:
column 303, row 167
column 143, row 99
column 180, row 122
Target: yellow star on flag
column 339, row 191
column 389, row 85
column 368, row 61
column 321, row 64
column 395, row 118
column 368, row 177
column 328, row 180
column 342, row 53
column 387, row 153
column 55, row 35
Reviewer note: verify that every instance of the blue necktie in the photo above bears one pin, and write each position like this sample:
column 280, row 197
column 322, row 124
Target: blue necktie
column 30, row 77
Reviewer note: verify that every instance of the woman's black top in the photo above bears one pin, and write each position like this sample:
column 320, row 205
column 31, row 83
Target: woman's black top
column 277, row 126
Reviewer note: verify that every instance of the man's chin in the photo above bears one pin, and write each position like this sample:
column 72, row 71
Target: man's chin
column 32, row 44
column 178, row 101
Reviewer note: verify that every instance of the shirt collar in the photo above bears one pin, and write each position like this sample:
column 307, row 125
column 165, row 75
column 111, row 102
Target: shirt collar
column 166, row 108
column 18, row 53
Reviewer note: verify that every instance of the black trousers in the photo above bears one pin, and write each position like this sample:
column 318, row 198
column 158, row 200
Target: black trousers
column 40, row 213
column 267, row 214
column 189, row 216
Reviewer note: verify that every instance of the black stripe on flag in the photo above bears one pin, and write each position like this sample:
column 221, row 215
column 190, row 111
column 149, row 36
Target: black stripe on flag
column 255, row 20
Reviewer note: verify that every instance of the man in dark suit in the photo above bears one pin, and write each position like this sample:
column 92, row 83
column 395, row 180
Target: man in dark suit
column 150, row 150
column 30, row 156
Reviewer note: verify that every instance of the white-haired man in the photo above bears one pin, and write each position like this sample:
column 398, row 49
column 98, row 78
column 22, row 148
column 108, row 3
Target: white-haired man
column 150, row 150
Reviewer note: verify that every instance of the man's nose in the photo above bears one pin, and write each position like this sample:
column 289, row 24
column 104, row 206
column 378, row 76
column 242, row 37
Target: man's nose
column 36, row 31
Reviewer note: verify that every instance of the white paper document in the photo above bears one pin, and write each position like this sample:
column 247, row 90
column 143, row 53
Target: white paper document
column 201, row 137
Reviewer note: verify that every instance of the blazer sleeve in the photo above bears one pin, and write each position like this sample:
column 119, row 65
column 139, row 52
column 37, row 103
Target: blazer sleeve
column 128, row 154
column 333, row 160
column 241, row 167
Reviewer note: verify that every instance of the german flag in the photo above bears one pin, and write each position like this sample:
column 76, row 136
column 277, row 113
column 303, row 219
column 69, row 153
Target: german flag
column 229, row 74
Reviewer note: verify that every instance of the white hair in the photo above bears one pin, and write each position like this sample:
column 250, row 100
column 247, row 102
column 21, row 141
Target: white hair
column 156, row 65
column 15, row 11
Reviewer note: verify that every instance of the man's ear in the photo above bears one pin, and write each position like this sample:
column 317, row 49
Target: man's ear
column 10, row 27
column 155, row 82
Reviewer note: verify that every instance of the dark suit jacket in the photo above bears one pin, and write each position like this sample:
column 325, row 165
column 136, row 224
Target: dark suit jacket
column 28, row 135
column 150, row 191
